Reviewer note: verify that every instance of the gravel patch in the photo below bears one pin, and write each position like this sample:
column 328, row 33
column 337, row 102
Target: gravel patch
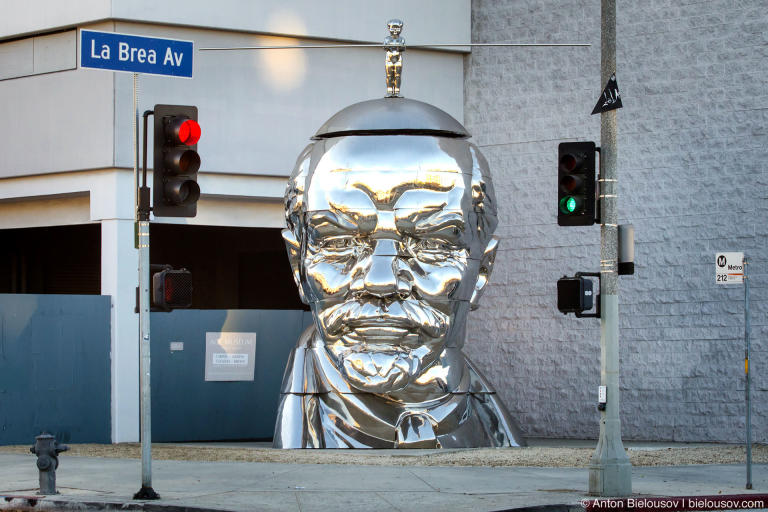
column 530, row 456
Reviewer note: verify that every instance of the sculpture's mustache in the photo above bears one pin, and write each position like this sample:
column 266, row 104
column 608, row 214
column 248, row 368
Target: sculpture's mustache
column 406, row 314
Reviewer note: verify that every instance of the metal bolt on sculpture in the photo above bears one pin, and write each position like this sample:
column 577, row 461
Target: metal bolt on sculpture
column 47, row 450
column 390, row 215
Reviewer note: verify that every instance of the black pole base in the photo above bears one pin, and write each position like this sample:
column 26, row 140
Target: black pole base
column 146, row 493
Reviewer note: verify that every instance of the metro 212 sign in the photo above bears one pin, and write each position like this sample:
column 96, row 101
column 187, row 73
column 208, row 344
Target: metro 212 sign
column 729, row 267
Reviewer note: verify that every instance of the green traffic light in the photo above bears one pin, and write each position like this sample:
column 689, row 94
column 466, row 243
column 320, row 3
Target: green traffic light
column 568, row 204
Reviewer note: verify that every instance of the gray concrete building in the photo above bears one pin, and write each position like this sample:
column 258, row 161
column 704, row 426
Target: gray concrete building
column 692, row 180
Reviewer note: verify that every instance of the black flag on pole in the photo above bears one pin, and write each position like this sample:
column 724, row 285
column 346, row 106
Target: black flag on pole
column 610, row 99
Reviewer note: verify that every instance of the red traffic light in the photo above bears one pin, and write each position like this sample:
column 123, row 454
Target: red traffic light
column 175, row 191
column 569, row 162
column 183, row 130
column 189, row 132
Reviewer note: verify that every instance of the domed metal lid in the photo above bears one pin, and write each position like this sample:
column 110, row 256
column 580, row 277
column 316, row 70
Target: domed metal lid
column 392, row 116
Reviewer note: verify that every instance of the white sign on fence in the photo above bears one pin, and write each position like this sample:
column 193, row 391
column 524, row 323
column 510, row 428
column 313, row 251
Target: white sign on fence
column 229, row 356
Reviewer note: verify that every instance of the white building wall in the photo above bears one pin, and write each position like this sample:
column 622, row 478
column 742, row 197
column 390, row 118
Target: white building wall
column 258, row 109
column 56, row 122
column 343, row 20
column 71, row 132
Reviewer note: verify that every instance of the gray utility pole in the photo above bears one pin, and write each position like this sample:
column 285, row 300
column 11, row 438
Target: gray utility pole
column 142, row 238
column 610, row 472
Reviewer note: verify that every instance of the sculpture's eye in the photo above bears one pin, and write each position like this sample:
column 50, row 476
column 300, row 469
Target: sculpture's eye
column 338, row 243
column 433, row 250
column 432, row 245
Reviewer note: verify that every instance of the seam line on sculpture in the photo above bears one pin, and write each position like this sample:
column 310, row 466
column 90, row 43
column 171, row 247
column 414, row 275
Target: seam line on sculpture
column 520, row 142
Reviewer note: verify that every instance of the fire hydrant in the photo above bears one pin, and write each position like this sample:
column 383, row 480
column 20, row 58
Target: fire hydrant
column 47, row 450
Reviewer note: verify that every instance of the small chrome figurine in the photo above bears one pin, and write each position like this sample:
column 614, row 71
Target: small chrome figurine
column 395, row 46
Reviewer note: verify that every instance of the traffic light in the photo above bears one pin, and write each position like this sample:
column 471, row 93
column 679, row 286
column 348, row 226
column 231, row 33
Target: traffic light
column 175, row 190
column 172, row 289
column 576, row 184
column 575, row 295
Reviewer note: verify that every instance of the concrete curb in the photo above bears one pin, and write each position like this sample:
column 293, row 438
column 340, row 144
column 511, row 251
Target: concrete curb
column 13, row 503
column 20, row 503
column 546, row 508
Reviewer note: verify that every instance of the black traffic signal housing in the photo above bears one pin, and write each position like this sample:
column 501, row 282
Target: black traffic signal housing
column 576, row 184
column 175, row 190
column 575, row 295
column 172, row 289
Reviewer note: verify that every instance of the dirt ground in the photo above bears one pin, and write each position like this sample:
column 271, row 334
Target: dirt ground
column 530, row 456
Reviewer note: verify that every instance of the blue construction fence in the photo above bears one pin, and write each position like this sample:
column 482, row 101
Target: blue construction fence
column 55, row 371
column 54, row 368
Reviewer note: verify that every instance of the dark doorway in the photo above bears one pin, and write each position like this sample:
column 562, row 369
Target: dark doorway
column 232, row 268
column 57, row 259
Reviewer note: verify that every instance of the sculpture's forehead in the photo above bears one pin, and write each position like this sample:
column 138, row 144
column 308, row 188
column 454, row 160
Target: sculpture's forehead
column 385, row 190
column 390, row 172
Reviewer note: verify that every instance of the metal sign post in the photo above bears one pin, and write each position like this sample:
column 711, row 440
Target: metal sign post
column 142, row 241
column 731, row 268
column 142, row 219
column 748, row 380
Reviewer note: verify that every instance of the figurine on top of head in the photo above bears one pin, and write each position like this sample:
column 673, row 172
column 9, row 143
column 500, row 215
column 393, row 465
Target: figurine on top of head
column 395, row 46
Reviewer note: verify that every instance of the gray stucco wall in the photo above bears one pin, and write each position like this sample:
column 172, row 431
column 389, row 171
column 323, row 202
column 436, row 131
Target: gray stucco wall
column 692, row 179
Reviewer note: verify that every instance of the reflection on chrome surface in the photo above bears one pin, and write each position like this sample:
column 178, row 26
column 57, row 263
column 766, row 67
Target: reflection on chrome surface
column 390, row 215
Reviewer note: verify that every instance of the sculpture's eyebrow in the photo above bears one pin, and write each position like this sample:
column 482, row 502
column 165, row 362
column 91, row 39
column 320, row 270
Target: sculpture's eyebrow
column 326, row 222
column 441, row 223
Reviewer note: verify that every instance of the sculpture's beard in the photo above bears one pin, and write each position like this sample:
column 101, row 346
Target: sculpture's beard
column 380, row 371
column 382, row 346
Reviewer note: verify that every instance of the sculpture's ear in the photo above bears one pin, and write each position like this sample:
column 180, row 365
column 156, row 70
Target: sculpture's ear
column 293, row 246
column 486, row 266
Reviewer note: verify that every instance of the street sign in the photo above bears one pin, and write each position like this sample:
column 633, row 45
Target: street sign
column 610, row 99
column 135, row 54
column 729, row 268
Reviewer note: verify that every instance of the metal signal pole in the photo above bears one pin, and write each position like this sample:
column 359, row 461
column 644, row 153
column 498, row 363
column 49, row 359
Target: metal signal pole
column 610, row 472
column 146, row 492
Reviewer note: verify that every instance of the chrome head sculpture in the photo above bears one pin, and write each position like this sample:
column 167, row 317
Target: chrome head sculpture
column 391, row 259
column 390, row 217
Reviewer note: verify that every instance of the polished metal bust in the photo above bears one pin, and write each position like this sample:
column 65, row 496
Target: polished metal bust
column 390, row 215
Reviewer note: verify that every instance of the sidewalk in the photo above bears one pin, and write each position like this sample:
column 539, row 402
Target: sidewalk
column 99, row 483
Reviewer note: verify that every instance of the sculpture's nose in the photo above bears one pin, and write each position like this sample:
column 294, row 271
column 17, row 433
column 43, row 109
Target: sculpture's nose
column 380, row 277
